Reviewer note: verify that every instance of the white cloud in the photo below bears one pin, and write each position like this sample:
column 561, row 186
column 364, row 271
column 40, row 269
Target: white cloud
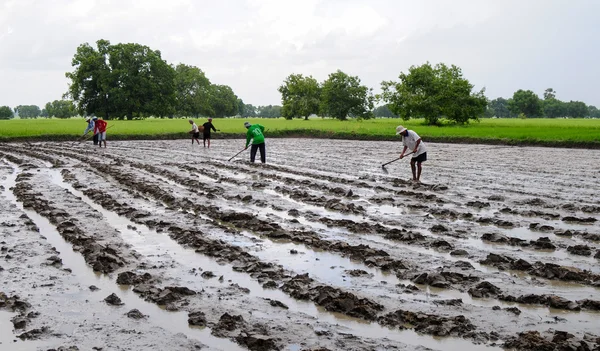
column 253, row 45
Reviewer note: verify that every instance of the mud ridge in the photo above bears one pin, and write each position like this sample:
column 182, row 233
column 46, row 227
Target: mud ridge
column 543, row 243
column 545, row 270
column 366, row 254
column 28, row 152
column 435, row 325
column 102, row 258
column 551, row 341
column 332, row 299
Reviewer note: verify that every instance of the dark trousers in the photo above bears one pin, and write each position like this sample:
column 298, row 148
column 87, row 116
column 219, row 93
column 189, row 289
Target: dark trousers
column 95, row 139
column 263, row 152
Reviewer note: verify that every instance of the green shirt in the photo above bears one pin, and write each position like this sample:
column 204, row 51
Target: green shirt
column 255, row 132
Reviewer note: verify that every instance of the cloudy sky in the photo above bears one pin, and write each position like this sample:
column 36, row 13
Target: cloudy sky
column 252, row 45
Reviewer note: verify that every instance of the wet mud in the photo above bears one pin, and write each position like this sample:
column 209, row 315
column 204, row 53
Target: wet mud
column 310, row 252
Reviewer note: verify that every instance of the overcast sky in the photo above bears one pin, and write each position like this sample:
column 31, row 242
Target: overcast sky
column 252, row 45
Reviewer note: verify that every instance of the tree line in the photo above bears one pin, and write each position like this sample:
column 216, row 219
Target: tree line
column 133, row 81
column 525, row 103
column 56, row 108
column 426, row 91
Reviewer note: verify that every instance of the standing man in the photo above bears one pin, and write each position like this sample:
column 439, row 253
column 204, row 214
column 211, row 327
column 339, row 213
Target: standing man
column 195, row 132
column 206, row 132
column 412, row 141
column 100, row 129
column 90, row 128
column 255, row 133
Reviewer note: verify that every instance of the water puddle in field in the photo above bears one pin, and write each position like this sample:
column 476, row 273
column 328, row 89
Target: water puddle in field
column 8, row 337
column 149, row 242
column 175, row 322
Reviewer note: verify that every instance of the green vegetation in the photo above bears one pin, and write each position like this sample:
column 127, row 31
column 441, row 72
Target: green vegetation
column 550, row 132
column 28, row 111
column 434, row 93
column 6, row 112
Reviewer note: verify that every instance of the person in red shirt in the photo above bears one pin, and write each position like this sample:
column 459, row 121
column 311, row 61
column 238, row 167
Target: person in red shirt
column 100, row 129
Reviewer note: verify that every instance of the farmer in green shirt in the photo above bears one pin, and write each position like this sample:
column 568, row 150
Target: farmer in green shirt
column 255, row 133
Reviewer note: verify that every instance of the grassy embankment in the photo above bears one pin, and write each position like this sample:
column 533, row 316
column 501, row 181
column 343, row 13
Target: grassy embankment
column 544, row 132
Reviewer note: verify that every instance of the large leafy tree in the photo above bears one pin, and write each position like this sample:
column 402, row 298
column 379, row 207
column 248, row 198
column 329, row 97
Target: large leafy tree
column 300, row 96
column 28, row 111
column 527, row 103
column 500, row 107
column 223, row 101
column 192, row 92
column 343, row 95
column 6, row 112
column 554, row 108
column 121, row 80
column 434, row 92
column 93, row 85
column 44, row 113
column 61, row 109
column 594, row 111
column 144, row 81
column 576, row 109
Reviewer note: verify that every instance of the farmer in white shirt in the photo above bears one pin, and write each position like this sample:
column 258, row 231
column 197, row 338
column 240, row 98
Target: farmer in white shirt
column 412, row 141
column 195, row 132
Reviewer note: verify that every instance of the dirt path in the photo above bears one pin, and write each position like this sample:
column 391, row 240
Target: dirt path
column 318, row 248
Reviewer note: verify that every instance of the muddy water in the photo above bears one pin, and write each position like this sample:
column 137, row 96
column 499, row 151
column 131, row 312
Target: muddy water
column 175, row 322
column 521, row 179
column 148, row 242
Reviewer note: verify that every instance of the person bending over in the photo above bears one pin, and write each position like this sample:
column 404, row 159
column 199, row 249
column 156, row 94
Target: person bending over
column 255, row 133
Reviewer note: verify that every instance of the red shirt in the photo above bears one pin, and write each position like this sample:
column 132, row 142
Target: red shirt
column 100, row 126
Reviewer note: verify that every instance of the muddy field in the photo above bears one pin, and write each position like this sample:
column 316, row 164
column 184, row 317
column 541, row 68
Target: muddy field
column 163, row 246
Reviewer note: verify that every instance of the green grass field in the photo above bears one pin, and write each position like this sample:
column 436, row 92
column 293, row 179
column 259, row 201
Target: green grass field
column 559, row 132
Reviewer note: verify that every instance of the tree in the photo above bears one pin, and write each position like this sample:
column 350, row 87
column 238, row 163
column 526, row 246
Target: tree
column 594, row 111
column 223, row 101
column 270, row 111
column 500, row 108
column 44, row 113
column 300, row 96
column 192, row 92
column 577, row 109
column 489, row 112
column 549, row 94
column 433, row 93
column 6, row 112
column 249, row 111
column 93, row 85
column 384, row 111
column 526, row 102
column 27, row 111
column 342, row 95
column 554, row 108
column 241, row 106
column 144, row 81
column 61, row 109
column 121, row 80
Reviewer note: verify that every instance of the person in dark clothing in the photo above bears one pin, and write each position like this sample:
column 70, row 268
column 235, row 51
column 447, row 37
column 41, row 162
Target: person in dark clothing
column 206, row 133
